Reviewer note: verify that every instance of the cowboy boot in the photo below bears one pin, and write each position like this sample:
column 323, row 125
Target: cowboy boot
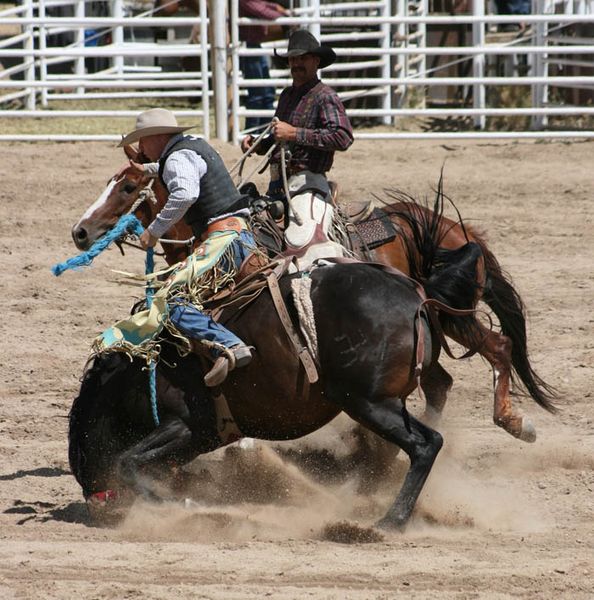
column 242, row 356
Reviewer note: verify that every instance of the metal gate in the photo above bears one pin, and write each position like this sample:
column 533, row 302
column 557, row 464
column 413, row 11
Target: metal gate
column 391, row 66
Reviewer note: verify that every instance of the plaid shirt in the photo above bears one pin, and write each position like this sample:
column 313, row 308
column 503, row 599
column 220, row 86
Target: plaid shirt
column 257, row 9
column 322, row 126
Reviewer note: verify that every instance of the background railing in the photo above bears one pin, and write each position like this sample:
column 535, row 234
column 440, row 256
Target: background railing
column 81, row 57
column 404, row 70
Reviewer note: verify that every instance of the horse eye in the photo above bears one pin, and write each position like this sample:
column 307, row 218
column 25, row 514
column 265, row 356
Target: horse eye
column 129, row 188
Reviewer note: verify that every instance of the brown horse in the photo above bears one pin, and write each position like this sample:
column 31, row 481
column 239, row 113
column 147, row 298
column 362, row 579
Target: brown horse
column 506, row 351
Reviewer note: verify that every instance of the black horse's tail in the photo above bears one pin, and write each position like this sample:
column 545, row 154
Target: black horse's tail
column 451, row 277
column 504, row 300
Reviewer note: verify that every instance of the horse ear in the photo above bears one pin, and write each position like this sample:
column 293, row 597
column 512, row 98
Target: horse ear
column 131, row 152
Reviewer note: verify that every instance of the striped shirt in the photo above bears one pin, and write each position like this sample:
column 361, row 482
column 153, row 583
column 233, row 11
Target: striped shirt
column 182, row 173
column 322, row 126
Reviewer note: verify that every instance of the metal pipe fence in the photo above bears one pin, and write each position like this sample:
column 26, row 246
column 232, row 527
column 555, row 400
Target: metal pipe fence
column 388, row 68
column 48, row 69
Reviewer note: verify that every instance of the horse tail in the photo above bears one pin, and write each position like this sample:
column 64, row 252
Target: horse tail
column 504, row 300
column 450, row 276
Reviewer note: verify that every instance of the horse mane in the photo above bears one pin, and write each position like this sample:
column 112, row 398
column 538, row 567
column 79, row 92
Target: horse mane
column 101, row 377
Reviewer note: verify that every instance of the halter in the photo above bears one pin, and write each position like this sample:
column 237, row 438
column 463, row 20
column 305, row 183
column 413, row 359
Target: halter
column 146, row 194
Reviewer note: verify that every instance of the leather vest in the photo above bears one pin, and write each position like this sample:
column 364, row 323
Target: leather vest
column 218, row 194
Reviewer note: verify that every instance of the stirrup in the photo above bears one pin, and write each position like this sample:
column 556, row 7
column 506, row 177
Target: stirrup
column 230, row 359
column 242, row 356
column 218, row 373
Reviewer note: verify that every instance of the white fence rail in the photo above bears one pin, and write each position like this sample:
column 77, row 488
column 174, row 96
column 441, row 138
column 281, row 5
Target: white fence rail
column 119, row 78
column 387, row 70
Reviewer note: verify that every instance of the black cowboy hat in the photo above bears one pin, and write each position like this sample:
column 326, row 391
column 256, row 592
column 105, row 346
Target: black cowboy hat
column 303, row 42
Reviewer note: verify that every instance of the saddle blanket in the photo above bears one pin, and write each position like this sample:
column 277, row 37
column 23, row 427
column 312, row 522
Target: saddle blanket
column 377, row 230
column 301, row 288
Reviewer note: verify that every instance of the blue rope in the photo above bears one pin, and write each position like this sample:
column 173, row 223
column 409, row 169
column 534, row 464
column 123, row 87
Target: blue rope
column 127, row 224
column 149, row 268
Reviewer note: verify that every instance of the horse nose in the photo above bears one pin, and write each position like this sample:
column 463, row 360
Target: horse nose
column 80, row 237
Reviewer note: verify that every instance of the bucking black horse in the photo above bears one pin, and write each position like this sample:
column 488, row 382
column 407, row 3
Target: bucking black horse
column 374, row 337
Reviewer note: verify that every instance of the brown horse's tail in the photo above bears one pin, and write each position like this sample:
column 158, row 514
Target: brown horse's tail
column 504, row 300
column 439, row 270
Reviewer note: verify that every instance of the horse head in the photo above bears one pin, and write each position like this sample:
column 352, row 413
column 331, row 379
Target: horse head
column 129, row 191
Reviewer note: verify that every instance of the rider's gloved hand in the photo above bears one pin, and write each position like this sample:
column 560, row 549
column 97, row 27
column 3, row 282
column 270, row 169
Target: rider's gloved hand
column 246, row 143
column 147, row 240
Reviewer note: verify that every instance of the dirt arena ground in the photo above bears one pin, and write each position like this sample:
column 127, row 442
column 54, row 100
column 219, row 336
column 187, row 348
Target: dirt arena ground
column 498, row 519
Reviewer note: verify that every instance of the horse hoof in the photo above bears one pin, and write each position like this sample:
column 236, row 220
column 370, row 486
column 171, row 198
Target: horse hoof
column 519, row 426
column 528, row 432
column 387, row 524
column 108, row 508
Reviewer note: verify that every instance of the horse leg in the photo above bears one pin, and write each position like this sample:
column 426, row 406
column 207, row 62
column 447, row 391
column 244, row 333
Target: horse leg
column 496, row 348
column 436, row 382
column 389, row 419
column 167, row 442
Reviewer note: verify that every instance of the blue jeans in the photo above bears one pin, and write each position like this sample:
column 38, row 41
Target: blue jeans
column 194, row 323
column 513, row 7
column 259, row 98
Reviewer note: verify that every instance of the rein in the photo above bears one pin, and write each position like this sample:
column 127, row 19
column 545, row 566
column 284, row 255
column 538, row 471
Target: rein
column 285, row 156
column 146, row 194
column 126, row 225
column 241, row 162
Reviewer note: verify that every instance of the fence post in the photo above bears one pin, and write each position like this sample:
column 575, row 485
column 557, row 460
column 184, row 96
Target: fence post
column 204, row 69
column 422, row 44
column 219, row 66
column 315, row 28
column 30, row 60
column 401, row 66
column 42, row 48
column 79, row 68
column 540, row 92
column 386, row 71
column 478, row 62
column 117, row 10
column 235, row 71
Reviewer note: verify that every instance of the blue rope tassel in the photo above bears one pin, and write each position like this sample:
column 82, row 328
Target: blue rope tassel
column 149, row 268
column 127, row 224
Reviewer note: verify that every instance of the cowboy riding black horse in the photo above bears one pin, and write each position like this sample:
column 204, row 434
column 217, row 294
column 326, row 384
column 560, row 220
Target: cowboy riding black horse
column 373, row 343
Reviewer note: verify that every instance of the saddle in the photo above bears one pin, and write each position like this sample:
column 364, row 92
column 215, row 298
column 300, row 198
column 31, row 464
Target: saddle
column 255, row 276
column 367, row 227
column 355, row 210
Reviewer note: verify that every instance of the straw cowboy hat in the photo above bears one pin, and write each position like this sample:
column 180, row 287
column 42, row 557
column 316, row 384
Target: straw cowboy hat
column 303, row 42
column 153, row 122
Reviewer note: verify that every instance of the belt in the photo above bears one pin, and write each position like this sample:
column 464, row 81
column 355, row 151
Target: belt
column 229, row 224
